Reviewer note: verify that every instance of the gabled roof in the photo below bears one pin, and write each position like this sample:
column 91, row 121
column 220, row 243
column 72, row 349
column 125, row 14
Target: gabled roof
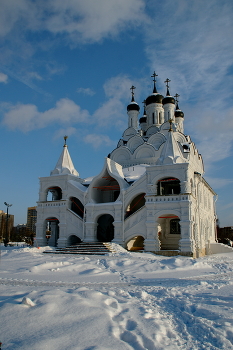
column 171, row 153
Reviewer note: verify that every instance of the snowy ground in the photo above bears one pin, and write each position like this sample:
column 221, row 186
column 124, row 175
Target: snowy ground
column 123, row 301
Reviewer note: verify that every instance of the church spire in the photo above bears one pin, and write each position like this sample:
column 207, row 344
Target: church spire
column 64, row 164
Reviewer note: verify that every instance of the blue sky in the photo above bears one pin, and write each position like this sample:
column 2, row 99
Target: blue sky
column 66, row 68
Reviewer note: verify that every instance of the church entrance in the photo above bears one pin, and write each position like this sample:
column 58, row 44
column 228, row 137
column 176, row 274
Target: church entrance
column 52, row 231
column 105, row 228
column 170, row 233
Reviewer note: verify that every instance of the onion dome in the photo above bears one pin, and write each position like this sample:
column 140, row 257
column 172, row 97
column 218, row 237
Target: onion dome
column 133, row 106
column 143, row 120
column 168, row 98
column 155, row 97
column 178, row 111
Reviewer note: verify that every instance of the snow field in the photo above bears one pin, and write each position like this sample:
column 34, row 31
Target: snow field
column 122, row 301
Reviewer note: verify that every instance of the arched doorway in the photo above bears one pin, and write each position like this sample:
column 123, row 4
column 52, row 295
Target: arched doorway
column 135, row 243
column 52, row 231
column 105, row 228
column 170, row 233
column 73, row 240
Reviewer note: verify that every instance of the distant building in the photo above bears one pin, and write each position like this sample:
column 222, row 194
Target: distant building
column 31, row 220
column 150, row 194
column 6, row 225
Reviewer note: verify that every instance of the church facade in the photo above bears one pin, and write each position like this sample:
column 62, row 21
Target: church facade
column 150, row 194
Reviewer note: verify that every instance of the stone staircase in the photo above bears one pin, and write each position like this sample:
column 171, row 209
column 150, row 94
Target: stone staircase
column 84, row 248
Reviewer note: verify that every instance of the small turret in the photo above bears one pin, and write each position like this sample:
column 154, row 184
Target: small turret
column 179, row 116
column 168, row 104
column 154, row 107
column 143, row 120
column 133, row 111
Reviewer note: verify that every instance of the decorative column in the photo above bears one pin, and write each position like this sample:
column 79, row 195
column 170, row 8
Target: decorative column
column 40, row 239
column 118, row 232
column 62, row 240
column 187, row 246
column 152, row 242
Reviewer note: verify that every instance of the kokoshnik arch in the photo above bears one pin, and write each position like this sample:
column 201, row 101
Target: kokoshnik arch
column 151, row 193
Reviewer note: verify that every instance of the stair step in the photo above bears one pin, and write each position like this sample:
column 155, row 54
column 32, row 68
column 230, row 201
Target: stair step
column 86, row 248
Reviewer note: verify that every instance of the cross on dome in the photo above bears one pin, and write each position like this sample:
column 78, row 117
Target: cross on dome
column 154, row 75
column 132, row 92
column 176, row 98
column 167, row 81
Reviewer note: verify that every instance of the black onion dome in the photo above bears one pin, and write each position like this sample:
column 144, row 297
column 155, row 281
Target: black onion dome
column 154, row 98
column 142, row 120
column 179, row 114
column 168, row 99
column 133, row 106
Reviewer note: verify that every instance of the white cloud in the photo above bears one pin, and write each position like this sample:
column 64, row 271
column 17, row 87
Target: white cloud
column 91, row 20
column 97, row 140
column 27, row 117
column 80, row 21
column 3, row 78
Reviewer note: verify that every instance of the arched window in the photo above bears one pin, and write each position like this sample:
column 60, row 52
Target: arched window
column 168, row 186
column 175, row 226
column 55, row 193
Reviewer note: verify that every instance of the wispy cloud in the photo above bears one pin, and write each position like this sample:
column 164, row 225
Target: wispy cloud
column 80, row 21
column 193, row 49
column 86, row 91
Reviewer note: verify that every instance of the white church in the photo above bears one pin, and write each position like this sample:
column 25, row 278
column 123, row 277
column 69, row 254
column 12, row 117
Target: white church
column 150, row 194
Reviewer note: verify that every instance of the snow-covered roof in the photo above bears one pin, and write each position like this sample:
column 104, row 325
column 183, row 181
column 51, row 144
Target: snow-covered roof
column 134, row 172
